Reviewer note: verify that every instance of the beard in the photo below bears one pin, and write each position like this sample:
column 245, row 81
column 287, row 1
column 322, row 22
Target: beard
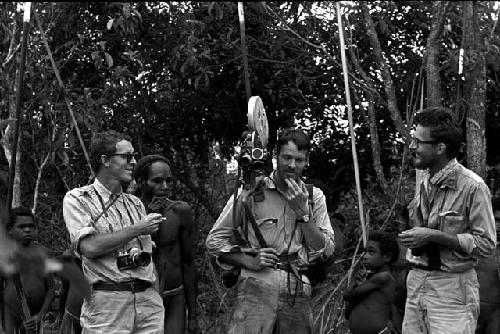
column 419, row 163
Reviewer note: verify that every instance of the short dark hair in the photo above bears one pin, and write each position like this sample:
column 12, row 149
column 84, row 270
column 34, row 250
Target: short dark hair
column 104, row 143
column 388, row 244
column 443, row 127
column 19, row 212
column 143, row 166
column 296, row 136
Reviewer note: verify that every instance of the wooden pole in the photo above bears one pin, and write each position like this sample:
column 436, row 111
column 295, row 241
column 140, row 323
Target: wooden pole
column 351, row 126
column 66, row 98
column 19, row 101
column 244, row 51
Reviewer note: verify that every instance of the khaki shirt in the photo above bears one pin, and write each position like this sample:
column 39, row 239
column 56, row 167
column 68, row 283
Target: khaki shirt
column 276, row 221
column 81, row 206
column 459, row 204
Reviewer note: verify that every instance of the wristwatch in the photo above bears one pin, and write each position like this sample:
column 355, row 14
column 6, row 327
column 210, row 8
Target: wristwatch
column 304, row 219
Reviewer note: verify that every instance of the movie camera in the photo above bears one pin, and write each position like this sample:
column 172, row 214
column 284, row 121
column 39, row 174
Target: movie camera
column 253, row 152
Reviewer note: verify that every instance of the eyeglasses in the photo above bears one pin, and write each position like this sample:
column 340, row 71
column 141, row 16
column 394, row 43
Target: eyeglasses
column 416, row 141
column 128, row 156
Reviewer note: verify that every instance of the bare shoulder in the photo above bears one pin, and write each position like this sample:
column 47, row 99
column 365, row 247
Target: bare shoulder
column 182, row 207
column 382, row 278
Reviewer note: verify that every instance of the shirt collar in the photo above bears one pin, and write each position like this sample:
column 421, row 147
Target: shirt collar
column 447, row 176
column 103, row 191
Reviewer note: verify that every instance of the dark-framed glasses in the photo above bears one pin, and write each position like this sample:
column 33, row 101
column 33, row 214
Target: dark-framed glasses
column 128, row 156
column 417, row 142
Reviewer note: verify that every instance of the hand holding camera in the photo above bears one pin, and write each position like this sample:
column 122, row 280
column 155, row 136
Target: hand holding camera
column 416, row 237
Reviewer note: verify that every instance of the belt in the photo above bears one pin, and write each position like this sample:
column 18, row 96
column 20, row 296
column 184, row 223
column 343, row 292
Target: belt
column 132, row 286
column 423, row 267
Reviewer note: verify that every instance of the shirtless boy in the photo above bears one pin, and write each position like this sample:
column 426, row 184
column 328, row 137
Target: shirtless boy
column 38, row 289
column 372, row 298
column 174, row 254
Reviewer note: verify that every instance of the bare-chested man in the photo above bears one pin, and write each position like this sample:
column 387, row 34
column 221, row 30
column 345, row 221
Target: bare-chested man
column 174, row 255
column 37, row 288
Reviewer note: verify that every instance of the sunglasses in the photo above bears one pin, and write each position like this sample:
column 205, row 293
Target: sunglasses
column 128, row 156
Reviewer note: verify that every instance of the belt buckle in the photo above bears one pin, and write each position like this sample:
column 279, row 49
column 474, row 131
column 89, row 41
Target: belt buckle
column 132, row 285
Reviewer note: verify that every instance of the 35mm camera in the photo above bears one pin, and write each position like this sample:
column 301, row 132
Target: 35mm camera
column 132, row 259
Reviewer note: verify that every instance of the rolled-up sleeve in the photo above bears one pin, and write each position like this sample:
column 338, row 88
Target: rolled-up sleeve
column 322, row 221
column 77, row 219
column 481, row 241
column 219, row 238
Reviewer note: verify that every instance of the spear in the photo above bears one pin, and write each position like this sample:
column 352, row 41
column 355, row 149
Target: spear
column 244, row 51
column 351, row 126
column 19, row 97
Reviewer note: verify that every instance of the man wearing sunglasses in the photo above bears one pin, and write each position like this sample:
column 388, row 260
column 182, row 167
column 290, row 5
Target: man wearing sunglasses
column 111, row 231
column 452, row 225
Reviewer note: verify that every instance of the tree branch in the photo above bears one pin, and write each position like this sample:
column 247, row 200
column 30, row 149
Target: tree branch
column 12, row 48
column 63, row 88
column 38, row 181
column 318, row 47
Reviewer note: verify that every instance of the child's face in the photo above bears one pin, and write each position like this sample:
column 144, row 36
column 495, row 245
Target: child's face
column 373, row 259
column 23, row 230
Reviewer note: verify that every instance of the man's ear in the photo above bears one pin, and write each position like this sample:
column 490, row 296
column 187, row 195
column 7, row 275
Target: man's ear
column 387, row 257
column 441, row 148
column 105, row 160
column 141, row 182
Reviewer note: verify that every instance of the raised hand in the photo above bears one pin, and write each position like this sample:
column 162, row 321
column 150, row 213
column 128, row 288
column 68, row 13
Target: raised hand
column 149, row 224
column 297, row 197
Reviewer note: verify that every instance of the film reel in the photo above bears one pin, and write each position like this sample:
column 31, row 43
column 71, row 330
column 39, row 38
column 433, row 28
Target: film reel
column 257, row 119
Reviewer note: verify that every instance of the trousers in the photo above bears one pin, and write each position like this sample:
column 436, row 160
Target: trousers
column 123, row 312
column 265, row 304
column 441, row 302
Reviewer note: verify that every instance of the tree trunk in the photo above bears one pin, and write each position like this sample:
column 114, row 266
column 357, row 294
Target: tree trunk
column 431, row 58
column 382, row 65
column 9, row 66
column 371, row 120
column 475, row 91
column 7, row 142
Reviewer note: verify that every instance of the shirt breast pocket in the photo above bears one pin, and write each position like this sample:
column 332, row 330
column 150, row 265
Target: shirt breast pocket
column 452, row 222
column 266, row 224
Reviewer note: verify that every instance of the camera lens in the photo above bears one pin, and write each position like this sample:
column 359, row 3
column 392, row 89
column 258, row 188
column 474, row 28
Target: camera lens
column 245, row 160
column 257, row 153
column 141, row 259
column 257, row 165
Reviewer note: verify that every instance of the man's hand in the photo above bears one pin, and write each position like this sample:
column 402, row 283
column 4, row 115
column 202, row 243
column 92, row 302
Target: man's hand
column 32, row 324
column 149, row 224
column 360, row 276
column 417, row 237
column 192, row 326
column 297, row 197
column 265, row 258
column 157, row 204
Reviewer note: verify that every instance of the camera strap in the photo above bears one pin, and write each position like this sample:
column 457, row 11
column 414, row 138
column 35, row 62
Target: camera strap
column 249, row 217
column 105, row 207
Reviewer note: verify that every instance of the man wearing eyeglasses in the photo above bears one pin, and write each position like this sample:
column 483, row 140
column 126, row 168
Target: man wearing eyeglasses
column 452, row 226
column 111, row 231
